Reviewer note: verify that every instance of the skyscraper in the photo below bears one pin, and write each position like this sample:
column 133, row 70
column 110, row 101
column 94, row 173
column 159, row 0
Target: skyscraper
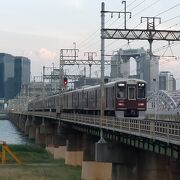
column 6, row 76
column 21, row 73
column 167, row 81
column 14, row 72
column 147, row 68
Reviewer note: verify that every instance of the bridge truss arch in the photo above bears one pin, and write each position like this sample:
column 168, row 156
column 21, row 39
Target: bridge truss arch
column 166, row 102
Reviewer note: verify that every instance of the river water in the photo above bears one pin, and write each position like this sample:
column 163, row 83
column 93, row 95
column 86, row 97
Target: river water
column 10, row 134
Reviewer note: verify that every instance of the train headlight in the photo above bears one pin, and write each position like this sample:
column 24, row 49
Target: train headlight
column 140, row 104
column 121, row 104
column 121, row 84
column 141, row 84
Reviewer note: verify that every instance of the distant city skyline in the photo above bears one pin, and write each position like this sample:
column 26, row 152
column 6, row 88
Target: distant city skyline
column 39, row 29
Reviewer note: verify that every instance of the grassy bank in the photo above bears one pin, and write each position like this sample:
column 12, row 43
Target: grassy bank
column 37, row 165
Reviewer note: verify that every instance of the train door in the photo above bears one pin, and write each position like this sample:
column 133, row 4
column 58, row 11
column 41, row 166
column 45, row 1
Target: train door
column 132, row 101
column 131, row 92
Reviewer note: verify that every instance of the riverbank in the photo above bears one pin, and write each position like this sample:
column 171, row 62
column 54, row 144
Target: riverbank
column 38, row 164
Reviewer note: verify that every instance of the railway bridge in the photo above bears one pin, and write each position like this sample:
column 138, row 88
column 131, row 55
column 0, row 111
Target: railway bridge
column 133, row 148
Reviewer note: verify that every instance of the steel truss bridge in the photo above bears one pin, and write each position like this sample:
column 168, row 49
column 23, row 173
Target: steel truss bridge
column 164, row 103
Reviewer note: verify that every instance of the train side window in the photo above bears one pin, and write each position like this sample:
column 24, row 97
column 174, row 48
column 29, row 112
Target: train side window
column 95, row 98
column 112, row 95
column 121, row 90
column 131, row 92
column 141, row 90
column 78, row 99
column 72, row 99
column 87, row 99
column 106, row 97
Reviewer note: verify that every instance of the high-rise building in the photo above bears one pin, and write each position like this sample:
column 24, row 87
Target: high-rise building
column 14, row 73
column 167, row 81
column 21, row 73
column 6, row 76
column 146, row 68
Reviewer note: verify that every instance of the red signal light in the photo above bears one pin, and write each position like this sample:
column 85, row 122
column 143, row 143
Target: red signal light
column 65, row 81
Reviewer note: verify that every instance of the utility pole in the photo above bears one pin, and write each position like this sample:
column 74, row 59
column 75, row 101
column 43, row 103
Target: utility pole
column 48, row 74
column 63, row 56
column 103, row 12
column 151, row 27
column 43, row 94
column 43, row 87
column 102, row 70
column 90, row 58
column 61, row 75
column 125, row 12
column 52, row 77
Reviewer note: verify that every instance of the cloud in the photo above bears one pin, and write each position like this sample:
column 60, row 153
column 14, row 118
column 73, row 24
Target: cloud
column 44, row 53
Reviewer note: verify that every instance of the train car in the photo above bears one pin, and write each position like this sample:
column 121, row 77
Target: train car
column 122, row 98
column 131, row 98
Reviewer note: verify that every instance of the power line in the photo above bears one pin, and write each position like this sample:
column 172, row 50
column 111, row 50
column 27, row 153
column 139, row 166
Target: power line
column 176, row 5
column 114, row 22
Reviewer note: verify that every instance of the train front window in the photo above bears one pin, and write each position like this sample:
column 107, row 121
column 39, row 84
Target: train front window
column 121, row 90
column 141, row 90
column 131, row 92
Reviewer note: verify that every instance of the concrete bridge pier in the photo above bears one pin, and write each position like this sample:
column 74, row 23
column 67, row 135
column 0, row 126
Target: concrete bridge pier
column 92, row 169
column 27, row 126
column 21, row 123
column 59, row 142
column 32, row 128
column 129, row 163
column 32, row 132
column 152, row 166
column 74, row 150
column 14, row 118
column 123, row 159
column 56, row 142
column 39, row 138
column 44, row 133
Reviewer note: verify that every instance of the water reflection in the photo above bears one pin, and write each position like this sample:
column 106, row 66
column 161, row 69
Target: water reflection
column 10, row 134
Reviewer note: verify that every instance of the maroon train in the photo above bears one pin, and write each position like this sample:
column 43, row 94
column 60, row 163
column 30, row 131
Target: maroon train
column 123, row 98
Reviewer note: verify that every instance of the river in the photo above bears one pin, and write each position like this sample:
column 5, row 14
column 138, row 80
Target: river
column 10, row 134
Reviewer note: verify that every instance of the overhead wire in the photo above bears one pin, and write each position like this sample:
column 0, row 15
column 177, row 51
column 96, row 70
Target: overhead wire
column 89, row 45
column 133, row 17
column 105, row 22
column 159, row 13
column 155, row 15
column 169, row 20
column 113, row 22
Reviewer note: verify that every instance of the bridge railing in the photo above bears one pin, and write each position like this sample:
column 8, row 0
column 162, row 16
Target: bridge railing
column 161, row 130
column 167, row 131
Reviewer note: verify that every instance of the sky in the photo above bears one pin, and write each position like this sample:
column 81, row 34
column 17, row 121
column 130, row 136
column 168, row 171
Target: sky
column 38, row 29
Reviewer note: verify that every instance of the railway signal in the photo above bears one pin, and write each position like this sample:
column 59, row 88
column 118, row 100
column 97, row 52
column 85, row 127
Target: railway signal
column 65, row 81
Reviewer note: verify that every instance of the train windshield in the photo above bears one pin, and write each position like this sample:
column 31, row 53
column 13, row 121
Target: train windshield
column 141, row 90
column 131, row 92
column 121, row 90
